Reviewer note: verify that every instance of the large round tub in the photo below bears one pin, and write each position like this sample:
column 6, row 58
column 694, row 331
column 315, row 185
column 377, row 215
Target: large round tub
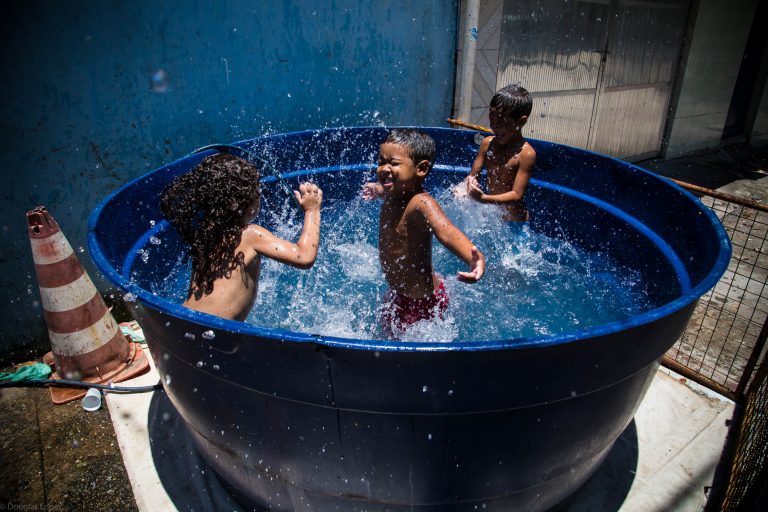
column 295, row 421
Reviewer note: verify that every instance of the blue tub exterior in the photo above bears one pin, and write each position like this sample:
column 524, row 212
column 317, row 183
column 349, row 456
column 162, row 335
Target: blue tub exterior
column 304, row 422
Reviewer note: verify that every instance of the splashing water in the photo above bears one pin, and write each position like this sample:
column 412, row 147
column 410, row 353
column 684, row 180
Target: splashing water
column 534, row 285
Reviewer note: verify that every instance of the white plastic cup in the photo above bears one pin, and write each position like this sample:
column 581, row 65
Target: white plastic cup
column 92, row 400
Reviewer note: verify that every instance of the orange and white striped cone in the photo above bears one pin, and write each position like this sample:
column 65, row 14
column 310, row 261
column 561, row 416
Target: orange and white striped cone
column 86, row 342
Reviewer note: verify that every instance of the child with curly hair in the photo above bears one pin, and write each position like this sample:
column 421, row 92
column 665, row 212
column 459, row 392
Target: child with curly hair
column 211, row 208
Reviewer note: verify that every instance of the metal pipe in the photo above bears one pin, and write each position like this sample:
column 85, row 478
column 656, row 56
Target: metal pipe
column 698, row 378
column 456, row 122
column 467, row 64
column 723, row 196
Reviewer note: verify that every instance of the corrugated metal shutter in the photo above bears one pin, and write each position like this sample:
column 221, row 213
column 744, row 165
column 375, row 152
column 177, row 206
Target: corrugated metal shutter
column 600, row 72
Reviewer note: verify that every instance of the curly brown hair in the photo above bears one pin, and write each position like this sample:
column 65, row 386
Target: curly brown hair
column 208, row 208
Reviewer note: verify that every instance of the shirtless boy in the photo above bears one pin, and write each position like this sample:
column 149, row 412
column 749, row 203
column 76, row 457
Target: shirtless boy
column 506, row 155
column 409, row 217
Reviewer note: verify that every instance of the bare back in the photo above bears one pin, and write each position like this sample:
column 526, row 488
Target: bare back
column 233, row 295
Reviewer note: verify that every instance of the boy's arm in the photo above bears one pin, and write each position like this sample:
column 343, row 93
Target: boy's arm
column 452, row 238
column 463, row 189
column 477, row 165
column 303, row 253
column 527, row 160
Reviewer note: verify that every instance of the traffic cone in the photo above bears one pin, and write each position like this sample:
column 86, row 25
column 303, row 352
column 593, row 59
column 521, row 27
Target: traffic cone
column 86, row 341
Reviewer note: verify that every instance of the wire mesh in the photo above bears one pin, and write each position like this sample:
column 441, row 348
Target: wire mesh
column 746, row 482
column 728, row 324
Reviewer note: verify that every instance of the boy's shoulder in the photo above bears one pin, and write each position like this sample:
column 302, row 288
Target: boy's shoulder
column 527, row 151
column 421, row 197
column 420, row 201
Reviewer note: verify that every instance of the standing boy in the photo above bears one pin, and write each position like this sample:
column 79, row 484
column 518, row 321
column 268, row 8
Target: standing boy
column 409, row 217
column 506, row 155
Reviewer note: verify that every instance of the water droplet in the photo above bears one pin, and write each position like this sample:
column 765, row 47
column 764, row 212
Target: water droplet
column 189, row 335
column 129, row 297
column 424, row 389
column 209, row 335
column 167, row 379
column 200, row 364
column 158, row 81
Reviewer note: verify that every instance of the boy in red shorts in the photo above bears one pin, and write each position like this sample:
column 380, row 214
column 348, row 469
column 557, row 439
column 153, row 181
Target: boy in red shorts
column 409, row 217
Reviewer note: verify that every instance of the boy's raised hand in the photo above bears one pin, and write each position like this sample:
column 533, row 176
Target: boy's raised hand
column 309, row 196
column 476, row 267
column 372, row 190
column 473, row 188
column 460, row 190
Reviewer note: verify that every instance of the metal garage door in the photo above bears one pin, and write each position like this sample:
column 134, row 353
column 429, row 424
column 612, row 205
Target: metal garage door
column 601, row 72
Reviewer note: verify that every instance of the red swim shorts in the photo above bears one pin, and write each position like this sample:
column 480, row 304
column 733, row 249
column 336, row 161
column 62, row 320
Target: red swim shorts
column 399, row 311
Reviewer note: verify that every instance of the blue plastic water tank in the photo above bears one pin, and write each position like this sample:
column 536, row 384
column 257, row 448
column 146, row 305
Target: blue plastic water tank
column 294, row 421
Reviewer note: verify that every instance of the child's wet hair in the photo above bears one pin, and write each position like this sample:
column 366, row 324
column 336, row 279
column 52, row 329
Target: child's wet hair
column 420, row 145
column 207, row 207
column 512, row 101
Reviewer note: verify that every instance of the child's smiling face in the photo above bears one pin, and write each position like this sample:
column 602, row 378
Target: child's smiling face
column 396, row 169
column 504, row 127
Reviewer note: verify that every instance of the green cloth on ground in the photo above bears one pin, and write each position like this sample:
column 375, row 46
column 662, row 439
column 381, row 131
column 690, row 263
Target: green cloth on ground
column 133, row 331
column 28, row 372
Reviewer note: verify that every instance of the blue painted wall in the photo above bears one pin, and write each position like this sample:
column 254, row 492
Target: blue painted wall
column 97, row 93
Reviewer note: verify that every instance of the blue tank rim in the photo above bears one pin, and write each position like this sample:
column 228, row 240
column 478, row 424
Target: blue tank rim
column 205, row 320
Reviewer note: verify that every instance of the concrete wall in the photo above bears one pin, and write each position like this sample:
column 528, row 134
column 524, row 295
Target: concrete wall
column 710, row 71
column 95, row 94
